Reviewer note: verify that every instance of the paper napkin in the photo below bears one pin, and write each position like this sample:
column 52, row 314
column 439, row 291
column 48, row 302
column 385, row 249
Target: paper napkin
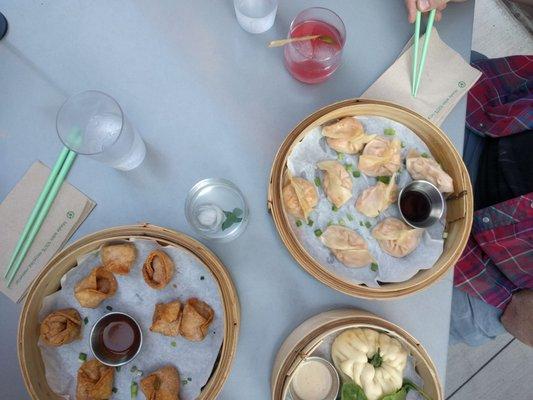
column 68, row 211
column 447, row 77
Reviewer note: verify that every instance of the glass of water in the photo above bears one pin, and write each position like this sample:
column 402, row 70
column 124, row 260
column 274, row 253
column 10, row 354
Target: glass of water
column 256, row 16
column 92, row 123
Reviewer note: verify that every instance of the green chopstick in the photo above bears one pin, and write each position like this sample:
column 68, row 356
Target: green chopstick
column 43, row 212
column 38, row 205
column 415, row 49
column 427, row 38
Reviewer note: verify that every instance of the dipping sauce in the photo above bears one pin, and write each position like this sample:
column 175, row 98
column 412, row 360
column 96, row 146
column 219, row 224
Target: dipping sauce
column 415, row 206
column 116, row 338
column 312, row 381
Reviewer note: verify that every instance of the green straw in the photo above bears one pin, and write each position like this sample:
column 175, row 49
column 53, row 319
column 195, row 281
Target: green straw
column 38, row 205
column 429, row 28
column 415, row 54
column 41, row 215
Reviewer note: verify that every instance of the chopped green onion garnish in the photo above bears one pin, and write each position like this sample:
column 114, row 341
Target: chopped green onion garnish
column 85, row 320
column 444, row 235
column 310, row 222
column 334, row 208
column 82, row 357
column 330, row 223
column 134, row 389
column 317, row 181
column 318, row 233
column 109, row 308
column 361, row 223
column 189, row 379
column 184, row 381
column 425, row 155
column 340, row 156
column 118, row 368
column 389, row 131
column 350, row 217
column 114, row 390
column 374, row 266
column 349, row 167
column 298, row 223
column 341, row 222
column 173, row 344
column 402, row 144
column 133, row 369
column 356, row 174
column 202, row 278
column 368, row 224
column 384, row 179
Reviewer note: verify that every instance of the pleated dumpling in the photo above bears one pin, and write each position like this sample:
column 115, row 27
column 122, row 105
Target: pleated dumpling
column 347, row 245
column 337, row 182
column 299, row 196
column 396, row 238
column 346, row 136
column 420, row 167
column 381, row 157
column 376, row 199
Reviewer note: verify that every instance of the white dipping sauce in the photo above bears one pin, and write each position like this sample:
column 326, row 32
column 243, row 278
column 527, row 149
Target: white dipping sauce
column 312, row 381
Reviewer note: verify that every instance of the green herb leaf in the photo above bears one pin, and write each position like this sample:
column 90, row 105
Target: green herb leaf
column 318, row 183
column 402, row 144
column 134, row 389
column 374, row 267
column 350, row 217
column 184, row 381
column 340, row 156
column 298, row 223
column 361, row 223
column 349, row 167
column 425, row 155
column 376, row 360
column 237, row 212
column 384, row 179
column 318, row 232
column 352, row 391
column 356, row 174
column 368, row 224
column 310, row 222
column 82, row 357
column 401, row 394
column 409, row 385
column 85, row 320
column 389, row 131
column 232, row 217
column 173, row 344
column 334, row 208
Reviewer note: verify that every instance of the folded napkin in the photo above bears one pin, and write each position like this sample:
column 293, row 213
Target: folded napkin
column 447, row 77
column 68, row 211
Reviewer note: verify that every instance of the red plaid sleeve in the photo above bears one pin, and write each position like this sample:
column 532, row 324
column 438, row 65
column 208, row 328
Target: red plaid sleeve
column 498, row 259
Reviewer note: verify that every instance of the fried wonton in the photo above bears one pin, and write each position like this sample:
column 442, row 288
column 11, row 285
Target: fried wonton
column 118, row 258
column 99, row 285
column 195, row 320
column 166, row 319
column 162, row 384
column 158, row 269
column 61, row 327
column 95, row 381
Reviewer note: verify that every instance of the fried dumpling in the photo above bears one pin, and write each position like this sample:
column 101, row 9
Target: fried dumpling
column 300, row 197
column 347, row 245
column 376, row 199
column 195, row 320
column 381, row 157
column 61, row 327
column 337, row 182
column 162, row 384
column 428, row 169
column 118, row 258
column 396, row 238
column 95, row 381
column 99, row 285
column 346, row 136
column 158, row 269
column 166, row 319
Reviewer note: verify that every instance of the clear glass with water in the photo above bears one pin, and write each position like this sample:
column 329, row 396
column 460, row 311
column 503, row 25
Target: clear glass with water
column 256, row 16
column 93, row 124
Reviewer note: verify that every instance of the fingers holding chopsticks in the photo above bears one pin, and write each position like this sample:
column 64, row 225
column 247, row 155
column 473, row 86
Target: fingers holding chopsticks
column 424, row 5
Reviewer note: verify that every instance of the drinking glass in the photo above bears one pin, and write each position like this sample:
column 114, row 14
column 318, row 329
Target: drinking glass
column 256, row 16
column 93, row 124
column 313, row 61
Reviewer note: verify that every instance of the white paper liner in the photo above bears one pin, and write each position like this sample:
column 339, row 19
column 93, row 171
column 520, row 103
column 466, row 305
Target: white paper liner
column 194, row 360
column 302, row 162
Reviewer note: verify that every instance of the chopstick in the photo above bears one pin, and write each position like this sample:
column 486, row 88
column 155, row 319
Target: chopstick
column 40, row 211
column 417, row 75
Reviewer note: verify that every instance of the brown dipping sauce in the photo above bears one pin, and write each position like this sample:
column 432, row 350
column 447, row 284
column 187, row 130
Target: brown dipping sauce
column 415, row 206
column 118, row 337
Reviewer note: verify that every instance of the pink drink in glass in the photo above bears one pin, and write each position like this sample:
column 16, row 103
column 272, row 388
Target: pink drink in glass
column 313, row 61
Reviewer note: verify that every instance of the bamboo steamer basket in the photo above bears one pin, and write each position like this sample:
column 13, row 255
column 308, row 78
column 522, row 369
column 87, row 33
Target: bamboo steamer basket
column 459, row 204
column 48, row 281
column 303, row 341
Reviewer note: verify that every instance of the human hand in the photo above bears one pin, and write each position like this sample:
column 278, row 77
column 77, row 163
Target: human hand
column 424, row 5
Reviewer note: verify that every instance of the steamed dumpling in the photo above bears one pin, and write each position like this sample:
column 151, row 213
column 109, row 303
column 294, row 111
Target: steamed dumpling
column 428, row 169
column 346, row 136
column 337, row 182
column 381, row 157
column 376, row 199
column 396, row 238
column 347, row 245
column 300, row 197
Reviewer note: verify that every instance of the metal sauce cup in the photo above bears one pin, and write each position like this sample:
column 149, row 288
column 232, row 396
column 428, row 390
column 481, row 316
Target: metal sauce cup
column 433, row 196
column 116, row 339
column 335, row 381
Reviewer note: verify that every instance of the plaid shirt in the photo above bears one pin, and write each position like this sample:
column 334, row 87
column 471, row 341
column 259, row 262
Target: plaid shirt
column 498, row 259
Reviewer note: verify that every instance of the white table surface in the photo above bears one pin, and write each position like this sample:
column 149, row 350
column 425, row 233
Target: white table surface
column 211, row 101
